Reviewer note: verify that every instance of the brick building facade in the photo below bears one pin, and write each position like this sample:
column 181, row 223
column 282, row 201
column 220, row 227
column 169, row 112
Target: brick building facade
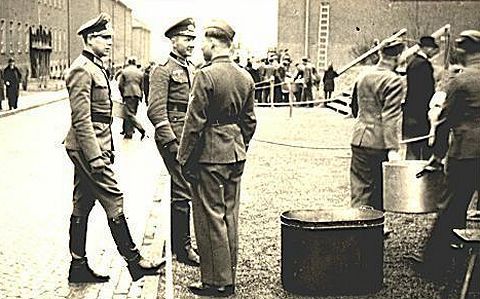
column 327, row 30
column 41, row 34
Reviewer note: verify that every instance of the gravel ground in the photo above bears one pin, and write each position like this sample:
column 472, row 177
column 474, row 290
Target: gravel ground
column 279, row 178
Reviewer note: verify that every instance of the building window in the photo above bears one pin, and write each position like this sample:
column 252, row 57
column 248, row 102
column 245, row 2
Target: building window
column 27, row 38
column 54, row 40
column 3, row 36
column 19, row 37
column 10, row 38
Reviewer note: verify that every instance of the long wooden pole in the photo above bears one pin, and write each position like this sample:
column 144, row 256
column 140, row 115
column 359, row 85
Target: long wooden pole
column 371, row 51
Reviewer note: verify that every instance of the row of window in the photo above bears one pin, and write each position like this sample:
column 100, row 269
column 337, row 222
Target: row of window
column 15, row 38
column 54, row 3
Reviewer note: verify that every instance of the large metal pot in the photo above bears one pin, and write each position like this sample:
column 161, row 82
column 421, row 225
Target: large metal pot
column 403, row 192
column 332, row 252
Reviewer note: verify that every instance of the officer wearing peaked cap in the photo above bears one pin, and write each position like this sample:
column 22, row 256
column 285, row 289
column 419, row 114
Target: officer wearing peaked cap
column 90, row 147
column 170, row 85
column 219, row 126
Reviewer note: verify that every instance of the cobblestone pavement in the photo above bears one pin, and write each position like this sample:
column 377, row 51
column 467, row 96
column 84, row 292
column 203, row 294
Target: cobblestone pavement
column 36, row 184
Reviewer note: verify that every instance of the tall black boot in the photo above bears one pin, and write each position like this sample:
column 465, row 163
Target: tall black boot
column 136, row 264
column 79, row 271
column 181, row 241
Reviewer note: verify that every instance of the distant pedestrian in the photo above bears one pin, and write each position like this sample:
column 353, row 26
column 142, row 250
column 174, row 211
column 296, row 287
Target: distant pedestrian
column 2, row 93
column 329, row 81
column 130, row 84
column 146, row 80
column 420, row 89
column 12, row 79
column 219, row 125
column 89, row 145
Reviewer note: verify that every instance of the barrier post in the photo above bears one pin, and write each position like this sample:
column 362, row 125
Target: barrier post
column 272, row 89
column 290, row 98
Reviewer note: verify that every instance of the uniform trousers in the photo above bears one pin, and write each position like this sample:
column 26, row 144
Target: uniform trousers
column 90, row 187
column 366, row 177
column 215, row 204
column 130, row 121
column 462, row 179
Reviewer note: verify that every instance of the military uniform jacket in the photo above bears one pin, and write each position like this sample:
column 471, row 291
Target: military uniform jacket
column 220, row 119
column 170, row 85
column 460, row 114
column 380, row 92
column 130, row 82
column 89, row 94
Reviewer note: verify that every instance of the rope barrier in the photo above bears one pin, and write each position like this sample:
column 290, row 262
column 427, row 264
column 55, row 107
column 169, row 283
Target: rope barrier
column 302, row 146
column 293, row 103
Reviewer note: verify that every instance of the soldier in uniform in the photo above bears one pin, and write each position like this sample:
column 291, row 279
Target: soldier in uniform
column 90, row 147
column 130, row 84
column 170, row 85
column 420, row 89
column 219, row 126
column 380, row 92
column 459, row 121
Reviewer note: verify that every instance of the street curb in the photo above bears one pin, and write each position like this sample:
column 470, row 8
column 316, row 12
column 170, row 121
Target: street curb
column 12, row 112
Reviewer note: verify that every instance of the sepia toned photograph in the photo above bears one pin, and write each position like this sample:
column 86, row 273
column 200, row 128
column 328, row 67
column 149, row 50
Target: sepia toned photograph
column 249, row 149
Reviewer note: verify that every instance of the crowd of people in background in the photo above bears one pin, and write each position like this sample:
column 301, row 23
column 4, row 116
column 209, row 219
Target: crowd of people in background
column 301, row 79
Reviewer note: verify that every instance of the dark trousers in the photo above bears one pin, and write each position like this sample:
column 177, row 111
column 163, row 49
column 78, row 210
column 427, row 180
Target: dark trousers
column 307, row 94
column 130, row 122
column 180, row 194
column 90, row 187
column 12, row 95
column 215, row 213
column 366, row 177
column 462, row 180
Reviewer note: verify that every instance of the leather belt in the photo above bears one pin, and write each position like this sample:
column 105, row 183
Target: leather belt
column 223, row 121
column 181, row 107
column 100, row 118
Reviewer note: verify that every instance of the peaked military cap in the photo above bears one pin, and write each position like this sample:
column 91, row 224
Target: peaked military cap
column 474, row 35
column 98, row 24
column 393, row 47
column 469, row 40
column 223, row 26
column 184, row 27
column 427, row 41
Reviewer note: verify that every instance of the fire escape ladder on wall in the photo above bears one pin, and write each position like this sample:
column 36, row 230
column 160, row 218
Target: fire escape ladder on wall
column 323, row 29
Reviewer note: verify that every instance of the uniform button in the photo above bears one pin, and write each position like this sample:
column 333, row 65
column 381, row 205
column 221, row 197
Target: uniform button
column 174, row 118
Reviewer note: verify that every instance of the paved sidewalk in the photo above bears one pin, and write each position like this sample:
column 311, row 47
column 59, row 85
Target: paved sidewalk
column 25, row 284
column 33, row 99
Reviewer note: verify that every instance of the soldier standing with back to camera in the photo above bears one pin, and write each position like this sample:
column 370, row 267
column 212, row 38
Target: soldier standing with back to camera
column 380, row 92
column 89, row 145
column 170, row 85
column 219, row 126
column 130, row 84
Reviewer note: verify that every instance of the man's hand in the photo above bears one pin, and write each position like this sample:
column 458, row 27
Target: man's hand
column 7, row 83
column 393, row 155
column 434, row 164
column 97, row 165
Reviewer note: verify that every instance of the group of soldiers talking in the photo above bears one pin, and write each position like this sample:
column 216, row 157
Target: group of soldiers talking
column 203, row 126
